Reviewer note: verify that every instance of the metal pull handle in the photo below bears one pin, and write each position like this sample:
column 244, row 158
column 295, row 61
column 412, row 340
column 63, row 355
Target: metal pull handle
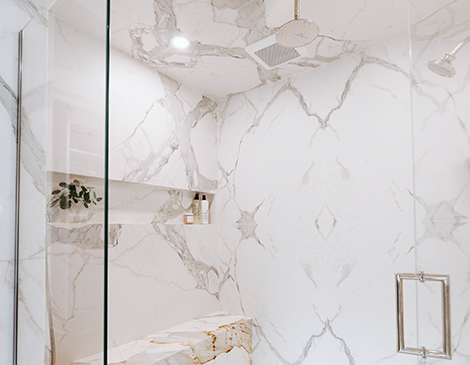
column 446, row 333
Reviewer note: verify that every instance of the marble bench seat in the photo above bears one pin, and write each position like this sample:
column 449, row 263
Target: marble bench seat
column 216, row 339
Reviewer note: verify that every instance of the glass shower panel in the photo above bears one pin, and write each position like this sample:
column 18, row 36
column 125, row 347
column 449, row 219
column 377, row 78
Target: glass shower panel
column 32, row 324
column 61, row 237
column 441, row 121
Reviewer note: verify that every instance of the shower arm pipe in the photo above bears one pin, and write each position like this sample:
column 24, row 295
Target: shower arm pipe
column 297, row 9
column 458, row 48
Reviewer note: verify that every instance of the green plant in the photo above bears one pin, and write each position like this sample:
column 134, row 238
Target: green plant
column 74, row 192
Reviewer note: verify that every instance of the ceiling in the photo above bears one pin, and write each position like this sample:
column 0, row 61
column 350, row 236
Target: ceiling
column 217, row 65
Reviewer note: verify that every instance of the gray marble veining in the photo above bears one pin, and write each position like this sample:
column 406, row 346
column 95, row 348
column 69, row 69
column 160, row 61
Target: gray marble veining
column 287, row 230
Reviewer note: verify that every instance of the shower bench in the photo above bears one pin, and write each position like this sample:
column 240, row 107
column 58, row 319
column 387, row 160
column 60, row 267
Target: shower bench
column 216, row 339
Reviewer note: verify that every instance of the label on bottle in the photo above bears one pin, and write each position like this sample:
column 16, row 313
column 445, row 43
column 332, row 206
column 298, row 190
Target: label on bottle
column 188, row 218
column 204, row 211
column 197, row 211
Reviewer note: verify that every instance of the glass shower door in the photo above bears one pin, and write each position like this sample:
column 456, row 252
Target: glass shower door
column 62, row 184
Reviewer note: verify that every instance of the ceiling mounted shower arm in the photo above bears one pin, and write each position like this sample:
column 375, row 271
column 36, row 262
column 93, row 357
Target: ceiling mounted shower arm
column 297, row 9
column 459, row 47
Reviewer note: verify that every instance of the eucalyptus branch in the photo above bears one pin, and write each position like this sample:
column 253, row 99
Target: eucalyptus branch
column 73, row 193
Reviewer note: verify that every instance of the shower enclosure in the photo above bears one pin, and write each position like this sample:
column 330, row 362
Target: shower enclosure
column 321, row 186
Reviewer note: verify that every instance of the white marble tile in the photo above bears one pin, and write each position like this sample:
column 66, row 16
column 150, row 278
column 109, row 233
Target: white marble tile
column 75, row 281
column 217, row 65
column 76, row 100
column 163, row 133
column 32, row 323
column 176, row 282
column 316, row 213
column 158, row 276
column 6, row 312
column 438, row 15
column 15, row 15
column 441, row 118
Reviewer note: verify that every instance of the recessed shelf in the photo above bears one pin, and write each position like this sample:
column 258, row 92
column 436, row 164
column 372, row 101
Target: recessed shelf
column 129, row 202
column 55, row 176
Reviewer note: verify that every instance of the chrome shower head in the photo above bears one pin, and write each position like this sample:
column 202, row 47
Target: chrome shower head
column 443, row 67
column 298, row 32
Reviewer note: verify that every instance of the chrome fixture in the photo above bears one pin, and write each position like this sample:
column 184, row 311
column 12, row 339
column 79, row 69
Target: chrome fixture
column 446, row 333
column 298, row 32
column 443, row 67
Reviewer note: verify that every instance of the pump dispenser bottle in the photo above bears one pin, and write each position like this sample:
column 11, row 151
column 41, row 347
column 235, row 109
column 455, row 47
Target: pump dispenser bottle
column 204, row 210
column 196, row 209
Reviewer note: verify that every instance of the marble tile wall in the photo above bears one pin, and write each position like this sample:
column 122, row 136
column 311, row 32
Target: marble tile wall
column 220, row 30
column 314, row 183
column 159, row 275
column 163, row 133
column 13, row 16
column 316, row 210
column 217, row 64
column 441, row 119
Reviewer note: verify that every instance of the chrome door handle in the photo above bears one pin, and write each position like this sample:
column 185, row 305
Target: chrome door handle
column 446, row 333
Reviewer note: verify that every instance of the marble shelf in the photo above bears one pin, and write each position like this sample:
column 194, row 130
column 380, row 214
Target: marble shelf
column 218, row 338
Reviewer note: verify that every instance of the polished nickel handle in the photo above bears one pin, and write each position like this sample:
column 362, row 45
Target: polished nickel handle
column 446, row 334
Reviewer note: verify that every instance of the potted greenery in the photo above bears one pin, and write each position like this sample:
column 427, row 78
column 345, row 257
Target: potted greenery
column 75, row 193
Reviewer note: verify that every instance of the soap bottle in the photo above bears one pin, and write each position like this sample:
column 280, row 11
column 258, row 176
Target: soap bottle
column 204, row 210
column 196, row 209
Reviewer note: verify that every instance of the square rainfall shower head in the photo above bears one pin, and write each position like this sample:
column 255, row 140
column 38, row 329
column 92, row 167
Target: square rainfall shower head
column 270, row 54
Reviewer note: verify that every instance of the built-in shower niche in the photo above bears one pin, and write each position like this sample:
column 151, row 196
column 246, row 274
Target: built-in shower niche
column 129, row 203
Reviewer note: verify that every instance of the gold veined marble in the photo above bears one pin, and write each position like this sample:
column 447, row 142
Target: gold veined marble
column 223, row 337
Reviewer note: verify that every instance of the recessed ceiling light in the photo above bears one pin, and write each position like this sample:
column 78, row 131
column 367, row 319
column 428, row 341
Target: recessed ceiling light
column 180, row 42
